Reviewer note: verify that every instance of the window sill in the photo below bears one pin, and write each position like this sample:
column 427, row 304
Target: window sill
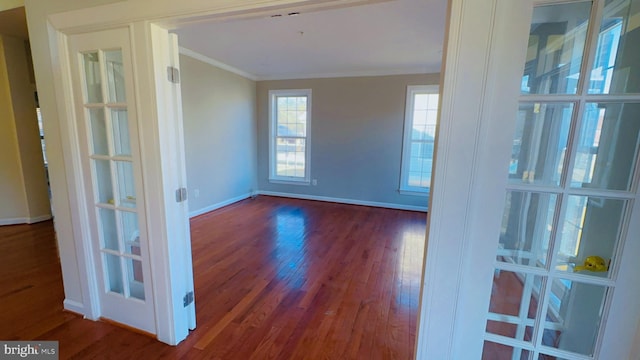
column 413, row 192
column 290, row 182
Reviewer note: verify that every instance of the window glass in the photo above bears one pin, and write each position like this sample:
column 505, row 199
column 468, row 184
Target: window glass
column 556, row 45
column 289, row 120
column 420, row 131
column 540, row 143
column 607, row 148
column 616, row 67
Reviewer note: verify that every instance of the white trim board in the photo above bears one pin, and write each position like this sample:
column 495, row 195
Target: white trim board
column 216, row 63
column 344, row 201
column 75, row 307
column 24, row 220
column 217, row 206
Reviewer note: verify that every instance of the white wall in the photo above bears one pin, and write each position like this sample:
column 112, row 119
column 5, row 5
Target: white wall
column 23, row 184
column 220, row 135
column 356, row 137
column 12, row 193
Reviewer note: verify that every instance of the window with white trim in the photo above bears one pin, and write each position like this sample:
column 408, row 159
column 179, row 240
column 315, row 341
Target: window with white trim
column 420, row 120
column 289, row 123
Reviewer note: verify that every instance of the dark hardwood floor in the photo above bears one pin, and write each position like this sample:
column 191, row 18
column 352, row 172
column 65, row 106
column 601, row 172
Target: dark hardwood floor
column 275, row 278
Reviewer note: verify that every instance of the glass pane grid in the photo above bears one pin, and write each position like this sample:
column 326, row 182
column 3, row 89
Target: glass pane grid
column 592, row 172
column 113, row 173
column 123, row 255
column 290, row 157
column 418, row 165
column 290, row 136
column 291, row 116
column 495, row 350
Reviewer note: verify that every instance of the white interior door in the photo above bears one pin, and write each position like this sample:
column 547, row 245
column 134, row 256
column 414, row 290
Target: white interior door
column 561, row 286
column 109, row 151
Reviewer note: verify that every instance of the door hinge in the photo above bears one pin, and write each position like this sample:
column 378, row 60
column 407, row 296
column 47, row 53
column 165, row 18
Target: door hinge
column 181, row 194
column 188, row 299
column 173, row 74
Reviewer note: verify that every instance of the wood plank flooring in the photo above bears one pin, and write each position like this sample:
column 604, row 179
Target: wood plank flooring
column 275, row 278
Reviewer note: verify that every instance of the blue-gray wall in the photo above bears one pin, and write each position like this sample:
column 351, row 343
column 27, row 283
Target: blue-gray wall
column 220, row 134
column 356, row 137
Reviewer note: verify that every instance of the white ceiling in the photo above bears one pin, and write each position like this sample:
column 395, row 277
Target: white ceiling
column 393, row 37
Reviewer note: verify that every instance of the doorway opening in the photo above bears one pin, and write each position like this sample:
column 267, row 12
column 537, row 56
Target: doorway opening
column 358, row 81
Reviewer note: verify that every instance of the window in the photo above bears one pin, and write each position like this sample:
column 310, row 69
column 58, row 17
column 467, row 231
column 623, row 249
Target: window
column 419, row 133
column 44, row 148
column 289, row 121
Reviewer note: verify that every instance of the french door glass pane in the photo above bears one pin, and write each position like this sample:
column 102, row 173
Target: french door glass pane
column 130, row 232
column 556, row 44
column 616, row 67
column 98, row 130
column 495, row 351
column 103, row 180
column 120, row 125
column 135, row 279
column 114, row 273
column 607, row 149
column 115, row 75
column 93, row 79
column 526, row 228
column 589, row 234
column 571, row 181
column 110, row 156
column 514, row 304
column 126, row 185
column 540, row 143
column 107, row 219
column 576, row 312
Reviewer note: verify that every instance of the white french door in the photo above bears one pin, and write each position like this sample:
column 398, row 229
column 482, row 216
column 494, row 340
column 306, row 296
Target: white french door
column 569, row 228
column 105, row 109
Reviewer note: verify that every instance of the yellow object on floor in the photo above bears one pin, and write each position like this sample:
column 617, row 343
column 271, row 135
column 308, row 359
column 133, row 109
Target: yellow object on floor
column 593, row 263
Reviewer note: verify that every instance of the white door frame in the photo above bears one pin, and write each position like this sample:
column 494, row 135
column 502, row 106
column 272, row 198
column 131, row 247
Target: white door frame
column 469, row 207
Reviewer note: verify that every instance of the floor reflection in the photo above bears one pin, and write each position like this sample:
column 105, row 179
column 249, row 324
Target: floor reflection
column 409, row 268
column 290, row 242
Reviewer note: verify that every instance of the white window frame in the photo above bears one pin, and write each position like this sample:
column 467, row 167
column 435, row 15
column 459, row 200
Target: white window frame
column 273, row 126
column 412, row 90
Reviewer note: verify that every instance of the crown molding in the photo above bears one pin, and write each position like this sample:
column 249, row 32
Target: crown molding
column 362, row 73
column 216, row 63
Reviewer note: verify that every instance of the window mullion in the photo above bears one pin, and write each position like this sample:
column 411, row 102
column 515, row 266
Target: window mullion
column 591, row 47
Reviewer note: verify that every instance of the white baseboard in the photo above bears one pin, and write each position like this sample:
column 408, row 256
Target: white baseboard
column 74, row 306
column 40, row 218
column 24, row 220
column 345, row 201
column 219, row 205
